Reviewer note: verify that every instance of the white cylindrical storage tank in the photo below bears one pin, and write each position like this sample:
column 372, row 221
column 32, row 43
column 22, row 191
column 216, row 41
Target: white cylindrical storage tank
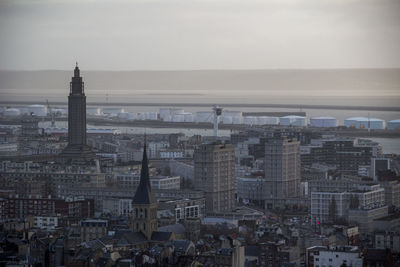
column 378, row 124
column 299, row 121
column 365, row 123
column 151, row 116
column 352, row 122
column 188, row 117
column 93, row 111
column 231, row 113
column 323, row 122
column 272, row 120
column 227, row 120
column 286, row 121
column 371, row 123
column 261, row 120
column 237, row 120
column 113, row 111
column 11, row 112
column 178, row 118
column 37, row 110
column 204, row 116
column 293, row 120
column 123, row 115
column 164, row 113
column 167, row 118
column 177, row 111
column 249, row 120
column 393, row 125
column 265, row 120
column 132, row 116
column 141, row 116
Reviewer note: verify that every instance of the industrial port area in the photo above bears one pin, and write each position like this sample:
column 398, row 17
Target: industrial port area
column 172, row 117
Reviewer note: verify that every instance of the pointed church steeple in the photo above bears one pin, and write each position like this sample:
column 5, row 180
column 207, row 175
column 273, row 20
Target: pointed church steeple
column 144, row 195
column 144, row 203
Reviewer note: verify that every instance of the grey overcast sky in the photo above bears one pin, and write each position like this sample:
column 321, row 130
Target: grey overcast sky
column 199, row 34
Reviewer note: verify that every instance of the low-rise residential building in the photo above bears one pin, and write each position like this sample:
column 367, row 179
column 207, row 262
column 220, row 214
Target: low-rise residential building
column 92, row 229
column 45, row 222
column 319, row 256
column 387, row 223
column 166, row 182
column 364, row 217
column 388, row 240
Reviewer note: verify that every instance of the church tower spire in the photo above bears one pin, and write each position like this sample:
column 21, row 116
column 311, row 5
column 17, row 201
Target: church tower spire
column 144, row 203
column 77, row 150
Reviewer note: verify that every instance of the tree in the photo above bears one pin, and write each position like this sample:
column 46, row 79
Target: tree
column 332, row 210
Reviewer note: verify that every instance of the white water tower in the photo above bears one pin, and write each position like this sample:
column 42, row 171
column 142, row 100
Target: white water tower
column 217, row 112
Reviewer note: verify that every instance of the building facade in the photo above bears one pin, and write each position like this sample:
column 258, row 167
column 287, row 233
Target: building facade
column 282, row 171
column 77, row 150
column 319, row 256
column 214, row 174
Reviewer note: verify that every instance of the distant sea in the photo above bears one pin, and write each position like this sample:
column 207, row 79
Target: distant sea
column 350, row 87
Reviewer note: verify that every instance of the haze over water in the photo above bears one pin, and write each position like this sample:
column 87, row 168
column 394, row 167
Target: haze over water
column 357, row 87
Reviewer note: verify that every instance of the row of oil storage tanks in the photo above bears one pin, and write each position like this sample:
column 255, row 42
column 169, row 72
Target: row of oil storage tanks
column 371, row 123
column 37, row 110
column 236, row 117
column 228, row 117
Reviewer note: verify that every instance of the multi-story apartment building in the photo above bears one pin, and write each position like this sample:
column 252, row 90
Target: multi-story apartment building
column 214, row 174
column 360, row 205
column 282, row 171
column 392, row 193
column 15, row 207
column 250, row 189
column 157, row 182
column 346, row 154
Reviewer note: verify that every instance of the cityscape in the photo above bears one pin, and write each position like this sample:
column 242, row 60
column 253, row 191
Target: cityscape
column 110, row 168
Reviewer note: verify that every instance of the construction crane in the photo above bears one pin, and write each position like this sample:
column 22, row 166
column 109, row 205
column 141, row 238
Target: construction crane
column 52, row 114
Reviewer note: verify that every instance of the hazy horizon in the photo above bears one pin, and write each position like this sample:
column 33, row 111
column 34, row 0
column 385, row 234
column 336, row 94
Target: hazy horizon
column 357, row 87
column 210, row 69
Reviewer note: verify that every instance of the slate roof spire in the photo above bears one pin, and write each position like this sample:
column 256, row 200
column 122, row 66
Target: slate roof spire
column 144, row 195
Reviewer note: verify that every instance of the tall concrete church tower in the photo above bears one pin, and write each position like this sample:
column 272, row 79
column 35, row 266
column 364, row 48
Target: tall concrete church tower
column 77, row 150
column 144, row 203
